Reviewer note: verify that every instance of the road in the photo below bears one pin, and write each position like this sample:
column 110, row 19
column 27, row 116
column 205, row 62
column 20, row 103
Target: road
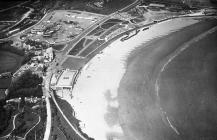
column 92, row 27
column 22, row 19
column 16, row 34
column 73, row 128
column 66, row 51
column 48, row 122
column 87, row 30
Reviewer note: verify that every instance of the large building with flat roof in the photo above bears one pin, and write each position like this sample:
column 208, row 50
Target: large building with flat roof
column 63, row 81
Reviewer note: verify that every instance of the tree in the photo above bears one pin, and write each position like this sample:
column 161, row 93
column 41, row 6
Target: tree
column 27, row 85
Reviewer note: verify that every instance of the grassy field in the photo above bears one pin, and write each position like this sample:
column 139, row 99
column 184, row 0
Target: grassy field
column 78, row 47
column 92, row 47
column 98, row 29
column 87, row 42
column 59, row 47
column 139, row 110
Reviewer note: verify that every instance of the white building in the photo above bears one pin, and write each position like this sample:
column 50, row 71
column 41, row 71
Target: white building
column 49, row 54
column 64, row 81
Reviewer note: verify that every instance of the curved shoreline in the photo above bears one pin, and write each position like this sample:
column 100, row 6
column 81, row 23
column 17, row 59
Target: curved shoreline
column 142, row 68
column 90, row 64
column 170, row 58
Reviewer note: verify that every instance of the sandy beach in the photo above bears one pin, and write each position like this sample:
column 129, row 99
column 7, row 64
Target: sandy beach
column 114, row 96
column 106, row 110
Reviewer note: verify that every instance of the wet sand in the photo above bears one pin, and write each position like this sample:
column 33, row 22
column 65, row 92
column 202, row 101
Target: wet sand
column 140, row 112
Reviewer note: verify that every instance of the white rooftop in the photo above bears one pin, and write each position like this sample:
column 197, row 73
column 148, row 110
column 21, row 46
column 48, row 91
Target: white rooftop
column 66, row 78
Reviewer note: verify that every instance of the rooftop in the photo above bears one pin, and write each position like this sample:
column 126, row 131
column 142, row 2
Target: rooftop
column 66, row 78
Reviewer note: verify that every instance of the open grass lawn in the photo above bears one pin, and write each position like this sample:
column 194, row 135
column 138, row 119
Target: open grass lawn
column 87, row 42
column 115, row 27
column 108, row 25
column 59, row 47
column 96, row 44
column 78, row 47
column 92, row 47
column 97, row 30
column 99, row 33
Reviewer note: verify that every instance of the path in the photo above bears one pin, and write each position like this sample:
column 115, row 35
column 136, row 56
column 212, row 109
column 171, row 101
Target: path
column 58, row 107
column 48, row 122
column 92, row 27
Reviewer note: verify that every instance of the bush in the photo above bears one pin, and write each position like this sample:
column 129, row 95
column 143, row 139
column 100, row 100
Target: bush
column 5, row 116
column 27, row 58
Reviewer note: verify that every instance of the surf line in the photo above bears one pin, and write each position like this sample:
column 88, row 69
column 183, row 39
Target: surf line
column 170, row 58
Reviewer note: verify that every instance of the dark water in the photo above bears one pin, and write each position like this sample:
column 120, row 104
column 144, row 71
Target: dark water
column 184, row 96
column 188, row 90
